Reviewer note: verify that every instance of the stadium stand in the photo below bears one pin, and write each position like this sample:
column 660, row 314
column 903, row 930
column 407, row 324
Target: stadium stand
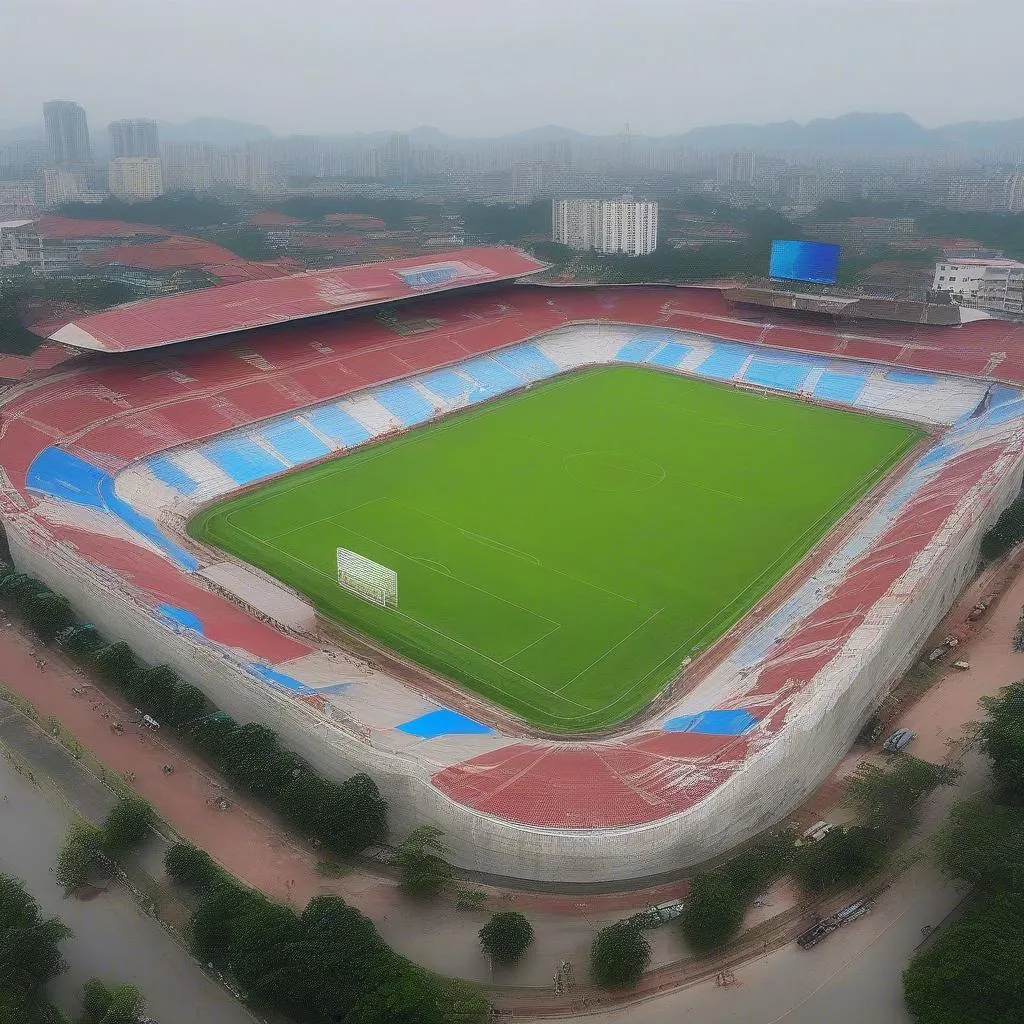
column 94, row 456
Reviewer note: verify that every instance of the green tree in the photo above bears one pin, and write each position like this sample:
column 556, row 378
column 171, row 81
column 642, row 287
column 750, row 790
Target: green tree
column 47, row 614
column 424, row 871
column 79, row 641
column 129, row 822
column 713, row 911
column 187, row 706
column 83, row 843
column 254, row 758
column 213, row 734
column 116, row 663
column 886, row 797
column 191, row 867
column 29, row 952
column 619, row 956
column 841, row 858
column 1002, row 738
column 118, row 1004
column 506, row 937
column 405, row 994
column 972, row 973
column 983, row 843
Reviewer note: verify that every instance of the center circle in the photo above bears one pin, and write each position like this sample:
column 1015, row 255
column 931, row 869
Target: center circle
column 614, row 471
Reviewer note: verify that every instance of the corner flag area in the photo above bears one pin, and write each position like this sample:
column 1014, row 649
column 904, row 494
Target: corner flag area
column 563, row 550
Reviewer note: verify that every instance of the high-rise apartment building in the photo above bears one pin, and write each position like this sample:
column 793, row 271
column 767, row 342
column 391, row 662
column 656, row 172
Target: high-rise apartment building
column 67, row 134
column 606, row 226
column 136, row 178
column 134, row 137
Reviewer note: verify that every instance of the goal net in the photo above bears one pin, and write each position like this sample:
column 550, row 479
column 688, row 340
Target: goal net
column 367, row 579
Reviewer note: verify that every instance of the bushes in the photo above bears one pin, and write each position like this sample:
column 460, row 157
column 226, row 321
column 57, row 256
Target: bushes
column 885, row 798
column 1002, row 738
column 128, row 823
column 329, row 963
column 191, row 867
column 82, row 844
column 839, row 859
column 1007, row 532
column 424, row 873
column 713, row 911
column 506, row 936
column 346, row 817
column 718, row 901
column 619, row 956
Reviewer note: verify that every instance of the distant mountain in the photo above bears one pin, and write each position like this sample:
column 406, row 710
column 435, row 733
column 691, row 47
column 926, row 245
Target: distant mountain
column 215, row 130
column 856, row 132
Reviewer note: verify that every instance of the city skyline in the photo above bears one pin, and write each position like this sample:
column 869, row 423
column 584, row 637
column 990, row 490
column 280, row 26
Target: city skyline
column 479, row 72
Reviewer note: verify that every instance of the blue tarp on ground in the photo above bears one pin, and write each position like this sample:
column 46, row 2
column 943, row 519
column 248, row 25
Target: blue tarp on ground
column 442, row 722
column 181, row 617
column 729, row 722
column 286, row 682
column 66, row 477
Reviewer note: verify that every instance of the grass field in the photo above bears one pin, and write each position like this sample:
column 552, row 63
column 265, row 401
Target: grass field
column 562, row 550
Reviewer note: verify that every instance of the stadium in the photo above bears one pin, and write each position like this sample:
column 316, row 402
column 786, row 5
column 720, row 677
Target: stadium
column 626, row 569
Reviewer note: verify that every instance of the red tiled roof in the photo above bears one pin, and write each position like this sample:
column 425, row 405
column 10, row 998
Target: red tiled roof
column 200, row 314
column 272, row 219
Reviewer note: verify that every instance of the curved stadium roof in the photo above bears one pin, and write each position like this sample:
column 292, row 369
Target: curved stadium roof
column 189, row 316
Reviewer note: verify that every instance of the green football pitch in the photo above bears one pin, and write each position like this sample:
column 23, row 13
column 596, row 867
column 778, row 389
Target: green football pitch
column 562, row 550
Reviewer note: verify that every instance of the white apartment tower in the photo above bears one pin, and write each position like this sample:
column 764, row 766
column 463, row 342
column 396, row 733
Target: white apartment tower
column 606, row 226
column 136, row 178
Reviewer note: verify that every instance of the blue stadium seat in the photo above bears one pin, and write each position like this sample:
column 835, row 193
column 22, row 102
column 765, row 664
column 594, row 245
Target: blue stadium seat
column 527, row 362
column 295, row 442
column 336, row 424
column 446, row 384
column 840, row 387
column 242, row 459
column 491, row 376
column 638, row 350
column 783, row 375
column 406, row 403
column 169, row 472
column 671, row 355
column 65, row 477
column 723, row 363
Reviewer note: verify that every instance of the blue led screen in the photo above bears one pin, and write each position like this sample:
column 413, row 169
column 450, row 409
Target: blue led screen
column 805, row 261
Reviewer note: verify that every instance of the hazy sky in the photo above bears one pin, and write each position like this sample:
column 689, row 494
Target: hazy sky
column 478, row 67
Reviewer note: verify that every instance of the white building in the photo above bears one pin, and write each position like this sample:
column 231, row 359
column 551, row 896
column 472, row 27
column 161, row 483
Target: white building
column 996, row 284
column 68, row 185
column 135, row 178
column 606, row 226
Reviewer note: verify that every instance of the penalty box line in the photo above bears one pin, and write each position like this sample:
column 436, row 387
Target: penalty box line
column 432, row 629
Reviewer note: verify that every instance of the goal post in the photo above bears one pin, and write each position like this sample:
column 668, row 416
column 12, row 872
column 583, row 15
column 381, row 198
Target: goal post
column 367, row 579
